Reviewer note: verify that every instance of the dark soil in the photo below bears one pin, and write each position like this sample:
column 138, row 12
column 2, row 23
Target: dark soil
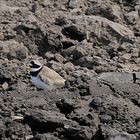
column 94, row 45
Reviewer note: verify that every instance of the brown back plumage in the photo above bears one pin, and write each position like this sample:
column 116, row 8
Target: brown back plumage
column 51, row 77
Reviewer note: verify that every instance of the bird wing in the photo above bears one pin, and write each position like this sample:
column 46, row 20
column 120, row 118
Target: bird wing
column 45, row 80
column 51, row 77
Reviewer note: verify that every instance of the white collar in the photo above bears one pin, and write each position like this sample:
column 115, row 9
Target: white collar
column 36, row 69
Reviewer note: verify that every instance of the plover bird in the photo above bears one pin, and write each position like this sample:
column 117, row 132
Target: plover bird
column 45, row 78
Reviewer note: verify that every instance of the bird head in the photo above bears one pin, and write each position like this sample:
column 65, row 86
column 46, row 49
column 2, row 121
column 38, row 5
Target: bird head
column 35, row 65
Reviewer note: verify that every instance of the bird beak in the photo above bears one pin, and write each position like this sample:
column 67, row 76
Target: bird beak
column 30, row 65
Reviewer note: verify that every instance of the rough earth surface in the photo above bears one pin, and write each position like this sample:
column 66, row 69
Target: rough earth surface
column 94, row 45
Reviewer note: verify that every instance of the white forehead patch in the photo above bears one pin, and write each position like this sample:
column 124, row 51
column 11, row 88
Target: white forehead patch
column 37, row 62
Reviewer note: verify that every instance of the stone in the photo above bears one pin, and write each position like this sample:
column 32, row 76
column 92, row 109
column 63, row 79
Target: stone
column 98, row 61
column 79, row 52
column 105, row 118
column 44, row 2
column 86, row 61
column 53, row 38
column 104, row 34
column 96, row 102
column 59, row 58
column 69, row 51
column 69, row 67
column 65, row 106
column 11, row 55
column 22, row 53
column 138, row 61
column 111, row 12
column 33, row 38
column 74, row 32
column 13, row 50
column 84, row 117
column 132, row 17
column 2, row 131
column 45, row 136
column 116, row 12
column 49, row 56
column 48, row 121
column 124, row 136
column 5, row 85
column 1, row 36
column 56, row 66
column 126, row 56
column 15, row 129
column 44, row 121
column 135, row 52
column 83, row 49
column 77, row 4
column 29, row 137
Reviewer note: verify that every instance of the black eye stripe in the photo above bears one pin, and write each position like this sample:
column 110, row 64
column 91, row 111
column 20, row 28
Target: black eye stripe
column 32, row 62
column 33, row 65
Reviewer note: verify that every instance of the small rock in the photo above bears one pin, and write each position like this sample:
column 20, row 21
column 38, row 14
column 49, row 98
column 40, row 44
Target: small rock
column 124, row 136
column 116, row 11
column 17, row 118
column 111, row 49
column 74, row 32
column 126, row 56
column 49, row 56
column 65, row 106
column 85, row 133
column 53, row 38
column 69, row 51
column 79, row 52
column 22, row 53
column 45, row 2
column 2, row 131
column 96, row 102
column 45, row 136
column 11, row 55
column 137, row 60
column 59, row 58
column 68, row 67
column 101, row 29
column 97, row 61
column 135, row 52
column 77, row 4
column 56, row 66
column 86, row 61
column 83, row 49
column 84, row 91
column 1, row 36
column 29, row 137
column 84, row 117
column 13, row 50
column 106, row 10
column 132, row 17
column 5, row 85
column 138, row 121
column 15, row 129
column 44, row 121
column 105, row 118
